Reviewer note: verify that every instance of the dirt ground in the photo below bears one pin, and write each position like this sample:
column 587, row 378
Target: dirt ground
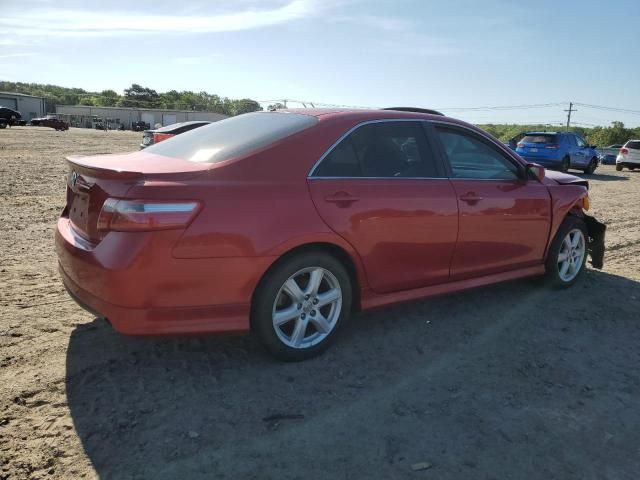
column 507, row 382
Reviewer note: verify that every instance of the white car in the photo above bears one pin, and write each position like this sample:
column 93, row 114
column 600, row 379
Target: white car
column 629, row 156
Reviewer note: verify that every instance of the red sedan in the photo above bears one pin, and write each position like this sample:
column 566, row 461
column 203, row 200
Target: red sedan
column 285, row 222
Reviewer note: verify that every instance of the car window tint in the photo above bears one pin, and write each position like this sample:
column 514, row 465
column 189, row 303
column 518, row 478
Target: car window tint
column 341, row 162
column 540, row 138
column 634, row 145
column 381, row 150
column 470, row 157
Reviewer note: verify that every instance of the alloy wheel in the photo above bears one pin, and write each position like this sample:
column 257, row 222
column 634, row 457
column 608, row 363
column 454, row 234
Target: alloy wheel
column 307, row 307
column 571, row 255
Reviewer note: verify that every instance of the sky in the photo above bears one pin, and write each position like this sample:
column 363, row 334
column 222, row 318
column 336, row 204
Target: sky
column 451, row 55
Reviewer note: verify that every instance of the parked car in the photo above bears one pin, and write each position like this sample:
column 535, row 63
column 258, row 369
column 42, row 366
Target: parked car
column 55, row 123
column 150, row 137
column 558, row 150
column 285, row 222
column 608, row 155
column 140, row 126
column 9, row 117
column 629, row 156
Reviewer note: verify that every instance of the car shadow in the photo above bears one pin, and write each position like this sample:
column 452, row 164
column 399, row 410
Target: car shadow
column 452, row 382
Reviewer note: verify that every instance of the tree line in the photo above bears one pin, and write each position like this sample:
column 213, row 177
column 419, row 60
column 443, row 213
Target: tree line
column 616, row 133
column 134, row 96
column 143, row 97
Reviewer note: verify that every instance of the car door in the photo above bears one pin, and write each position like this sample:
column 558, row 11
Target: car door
column 504, row 217
column 381, row 189
column 580, row 157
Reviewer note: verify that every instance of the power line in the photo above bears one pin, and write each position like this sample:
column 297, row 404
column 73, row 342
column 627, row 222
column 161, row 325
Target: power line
column 502, row 107
column 611, row 109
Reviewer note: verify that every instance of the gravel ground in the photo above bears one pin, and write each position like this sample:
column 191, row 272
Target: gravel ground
column 507, row 382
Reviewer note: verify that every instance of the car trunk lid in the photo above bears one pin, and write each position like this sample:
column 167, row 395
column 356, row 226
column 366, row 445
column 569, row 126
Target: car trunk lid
column 91, row 180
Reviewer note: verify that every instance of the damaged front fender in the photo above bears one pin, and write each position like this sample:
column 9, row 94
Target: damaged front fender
column 595, row 231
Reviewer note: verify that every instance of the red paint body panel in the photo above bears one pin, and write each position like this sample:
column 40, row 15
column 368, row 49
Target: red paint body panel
column 405, row 230
column 506, row 228
column 406, row 238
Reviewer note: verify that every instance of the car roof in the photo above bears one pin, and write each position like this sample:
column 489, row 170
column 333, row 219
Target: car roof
column 544, row 133
column 363, row 115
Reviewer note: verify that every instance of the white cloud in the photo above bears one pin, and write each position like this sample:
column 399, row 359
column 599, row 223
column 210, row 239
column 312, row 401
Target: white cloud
column 93, row 23
column 13, row 55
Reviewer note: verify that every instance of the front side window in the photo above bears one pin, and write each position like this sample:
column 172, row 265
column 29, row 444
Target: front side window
column 381, row 150
column 580, row 142
column 470, row 157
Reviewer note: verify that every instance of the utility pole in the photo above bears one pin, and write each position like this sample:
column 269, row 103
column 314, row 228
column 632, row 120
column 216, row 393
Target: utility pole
column 571, row 109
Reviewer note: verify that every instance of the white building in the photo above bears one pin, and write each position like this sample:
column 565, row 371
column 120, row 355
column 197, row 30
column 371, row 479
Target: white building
column 85, row 116
column 28, row 105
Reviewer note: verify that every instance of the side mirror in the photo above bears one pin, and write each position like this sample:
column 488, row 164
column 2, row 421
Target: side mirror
column 533, row 169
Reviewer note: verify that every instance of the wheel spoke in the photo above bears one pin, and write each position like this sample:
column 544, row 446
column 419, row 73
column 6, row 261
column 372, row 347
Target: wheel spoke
column 575, row 239
column 328, row 297
column 564, row 268
column 321, row 323
column 285, row 315
column 298, row 332
column 563, row 256
column 315, row 279
column 293, row 290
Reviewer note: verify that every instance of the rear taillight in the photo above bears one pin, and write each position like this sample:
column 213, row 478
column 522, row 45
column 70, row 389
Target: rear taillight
column 145, row 215
column 623, row 151
column 159, row 137
column 553, row 146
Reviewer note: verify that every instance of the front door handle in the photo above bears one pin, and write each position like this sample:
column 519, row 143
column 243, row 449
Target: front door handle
column 470, row 198
column 341, row 199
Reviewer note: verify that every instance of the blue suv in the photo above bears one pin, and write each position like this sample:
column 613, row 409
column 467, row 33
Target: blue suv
column 558, row 150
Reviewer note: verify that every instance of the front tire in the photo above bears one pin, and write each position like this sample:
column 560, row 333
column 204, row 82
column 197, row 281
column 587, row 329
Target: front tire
column 301, row 304
column 568, row 253
column 618, row 168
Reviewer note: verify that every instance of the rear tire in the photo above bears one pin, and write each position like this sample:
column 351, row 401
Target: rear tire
column 300, row 305
column 618, row 168
column 565, row 165
column 567, row 253
column 591, row 167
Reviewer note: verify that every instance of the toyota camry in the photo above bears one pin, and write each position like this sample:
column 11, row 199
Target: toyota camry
column 284, row 223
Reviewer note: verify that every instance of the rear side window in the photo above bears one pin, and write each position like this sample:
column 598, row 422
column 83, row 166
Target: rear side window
column 233, row 136
column 381, row 150
column 472, row 158
column 540, row 138
column 634, row 145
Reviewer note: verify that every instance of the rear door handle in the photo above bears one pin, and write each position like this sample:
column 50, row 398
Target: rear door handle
column 470, row 198
column 341, row 198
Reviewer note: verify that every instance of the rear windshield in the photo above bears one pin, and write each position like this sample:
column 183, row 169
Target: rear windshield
column 233, row 136
column 634, row 144
column 540, row 138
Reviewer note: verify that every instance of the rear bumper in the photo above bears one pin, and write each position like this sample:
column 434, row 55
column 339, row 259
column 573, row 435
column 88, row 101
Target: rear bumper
column 135, row 282
column 545, row 162
column 628, row 163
